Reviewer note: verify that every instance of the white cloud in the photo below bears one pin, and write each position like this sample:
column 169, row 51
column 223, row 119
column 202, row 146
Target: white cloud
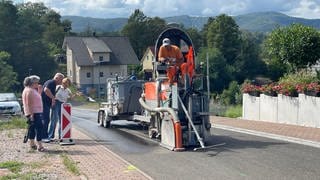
column 165, row 8
column 306, row 9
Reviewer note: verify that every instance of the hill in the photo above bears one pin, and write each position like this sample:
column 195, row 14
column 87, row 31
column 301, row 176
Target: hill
column 80, row 24
column 267, row 21
column 255, row 22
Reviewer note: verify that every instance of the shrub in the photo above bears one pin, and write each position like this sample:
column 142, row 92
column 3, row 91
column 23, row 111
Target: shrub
column 232, row 95
column 298, row 78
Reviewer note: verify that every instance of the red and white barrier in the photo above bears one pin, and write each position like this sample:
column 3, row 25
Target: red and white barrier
column 66, row 124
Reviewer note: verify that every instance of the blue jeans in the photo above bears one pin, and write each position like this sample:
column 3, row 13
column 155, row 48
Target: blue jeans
column 55, row 117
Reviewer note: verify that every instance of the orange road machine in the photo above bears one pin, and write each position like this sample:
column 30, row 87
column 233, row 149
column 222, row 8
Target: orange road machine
column 177, row 113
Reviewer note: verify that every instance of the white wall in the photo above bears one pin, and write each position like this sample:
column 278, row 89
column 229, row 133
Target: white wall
column 288, row 108
column 303, row 110
column 269, row 108
column 309, row 111
column 251, row 107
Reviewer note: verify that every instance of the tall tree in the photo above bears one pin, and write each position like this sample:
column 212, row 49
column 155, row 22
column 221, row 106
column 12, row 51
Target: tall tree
column 196, row 38
column 136, row 29
column 220, row 73
column 223, row 34
column 154, row 27
column 8, row 26
column 296, row 47
column 32, row 53
column 205, row 29
column 8, row 78
column 142, row 31
column 248, row 63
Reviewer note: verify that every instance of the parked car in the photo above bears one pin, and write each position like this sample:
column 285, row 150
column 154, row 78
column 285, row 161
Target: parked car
column 9, row 104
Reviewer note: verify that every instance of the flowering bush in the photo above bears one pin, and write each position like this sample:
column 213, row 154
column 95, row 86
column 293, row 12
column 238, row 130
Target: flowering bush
column 289, row 85
column 288, row 89
column 250, row 89
column 301, row 87
column 313, row 89
column 270, row 89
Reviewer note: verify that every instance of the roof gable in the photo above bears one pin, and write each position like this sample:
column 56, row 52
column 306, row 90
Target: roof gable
column 96, row 45
column 121, row 51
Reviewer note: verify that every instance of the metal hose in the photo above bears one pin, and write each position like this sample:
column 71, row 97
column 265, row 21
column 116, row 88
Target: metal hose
column 159, row 109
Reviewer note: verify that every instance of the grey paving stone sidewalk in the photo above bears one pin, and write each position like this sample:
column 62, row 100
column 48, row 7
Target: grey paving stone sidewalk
column 98, row 162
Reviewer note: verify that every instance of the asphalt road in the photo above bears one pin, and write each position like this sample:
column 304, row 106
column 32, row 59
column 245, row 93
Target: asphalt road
column 242, row 157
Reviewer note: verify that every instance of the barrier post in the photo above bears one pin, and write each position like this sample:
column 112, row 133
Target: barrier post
column 66, row 124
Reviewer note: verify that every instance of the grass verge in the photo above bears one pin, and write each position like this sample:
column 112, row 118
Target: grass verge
column 70, row 165
column 13, row 123
column 13, row 166
column 234, row 111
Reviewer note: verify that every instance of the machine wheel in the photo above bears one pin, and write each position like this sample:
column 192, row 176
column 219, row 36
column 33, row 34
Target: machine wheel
column 101, row 118
column 152, row 132
column 107, row 123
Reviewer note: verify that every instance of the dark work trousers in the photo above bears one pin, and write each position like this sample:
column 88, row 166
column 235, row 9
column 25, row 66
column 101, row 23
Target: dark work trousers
column 36, row 127
column 46, row 120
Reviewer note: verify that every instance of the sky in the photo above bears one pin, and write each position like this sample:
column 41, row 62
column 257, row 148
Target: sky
column 309, row 9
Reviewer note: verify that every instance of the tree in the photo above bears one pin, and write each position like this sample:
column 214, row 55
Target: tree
column 205, row 29
column 220, row 74
column 142, row 31
column 67, row 26
column 154, row 27
column 195, row 37
column 248, row 62
column 32, row 52
column 8, row 78
column 135, row 30
column 294, row 47
column 53, row 36
column 8, row 26
column 223, row 34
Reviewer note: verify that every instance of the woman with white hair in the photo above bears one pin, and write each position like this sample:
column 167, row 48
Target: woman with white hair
column 32, row 106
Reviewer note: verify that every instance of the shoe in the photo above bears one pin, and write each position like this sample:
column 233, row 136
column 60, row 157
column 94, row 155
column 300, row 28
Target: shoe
column 46, row 140
column 33, row 147
column 42, row 149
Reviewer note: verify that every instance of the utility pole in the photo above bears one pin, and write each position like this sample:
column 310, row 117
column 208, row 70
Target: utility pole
column 99, row 82
column 208, row 80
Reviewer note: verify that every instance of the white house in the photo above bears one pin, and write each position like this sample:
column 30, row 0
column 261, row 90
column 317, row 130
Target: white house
column 91, row 60
column 146, row 61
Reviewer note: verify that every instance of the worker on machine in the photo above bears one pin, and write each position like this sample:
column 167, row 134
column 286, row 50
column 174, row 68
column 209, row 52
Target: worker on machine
column 171, row 55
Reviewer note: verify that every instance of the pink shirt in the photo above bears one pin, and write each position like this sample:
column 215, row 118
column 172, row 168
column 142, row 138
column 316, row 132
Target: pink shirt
column 32, row 102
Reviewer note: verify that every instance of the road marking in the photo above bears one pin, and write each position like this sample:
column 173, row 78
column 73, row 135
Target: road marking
column 269, row 135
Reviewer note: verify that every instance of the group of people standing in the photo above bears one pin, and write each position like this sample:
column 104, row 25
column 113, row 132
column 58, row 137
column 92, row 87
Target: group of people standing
column 42, row 107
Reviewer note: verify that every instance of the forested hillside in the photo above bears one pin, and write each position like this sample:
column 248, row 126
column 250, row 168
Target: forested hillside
column 254, row 22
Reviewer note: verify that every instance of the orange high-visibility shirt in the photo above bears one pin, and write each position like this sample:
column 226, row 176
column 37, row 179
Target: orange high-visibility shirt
column 172, row 52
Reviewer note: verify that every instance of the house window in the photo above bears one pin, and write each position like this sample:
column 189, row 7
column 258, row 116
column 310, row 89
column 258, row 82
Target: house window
column 100, row 58
column 88, row 74
column 101, row 74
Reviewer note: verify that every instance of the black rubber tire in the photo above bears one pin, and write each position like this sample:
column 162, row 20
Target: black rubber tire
column 107, row 121
column 101, row 117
